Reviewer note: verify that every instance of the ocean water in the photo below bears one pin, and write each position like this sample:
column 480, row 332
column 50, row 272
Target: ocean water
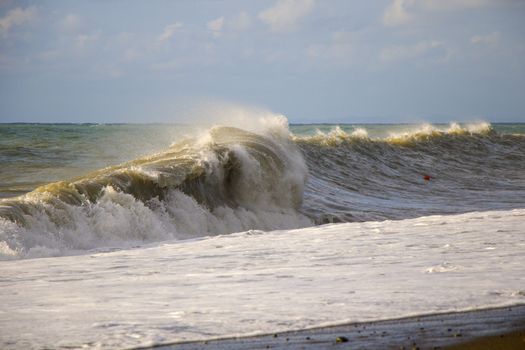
column 126, row 235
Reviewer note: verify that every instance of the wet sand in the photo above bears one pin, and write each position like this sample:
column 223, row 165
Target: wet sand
column 509, row 341
column 496, row 328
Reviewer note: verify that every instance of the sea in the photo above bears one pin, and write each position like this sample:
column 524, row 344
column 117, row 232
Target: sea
column 133, row 235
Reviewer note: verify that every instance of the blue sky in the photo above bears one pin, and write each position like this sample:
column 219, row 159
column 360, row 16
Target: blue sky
column 313, row 61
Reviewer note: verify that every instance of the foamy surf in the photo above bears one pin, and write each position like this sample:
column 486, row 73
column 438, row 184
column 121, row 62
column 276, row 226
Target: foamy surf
column 259, row 282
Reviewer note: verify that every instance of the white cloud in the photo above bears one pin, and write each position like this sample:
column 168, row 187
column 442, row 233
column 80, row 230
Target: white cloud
column 404, row 52
column 70, row 23
column 216, row 26
column 238, row 23
column 452, row 5
column 168, row 32
column 396, row 13
column 286, row 14
column 400, row 12
column 489, row 39
column 16, row 17
column 241, row 22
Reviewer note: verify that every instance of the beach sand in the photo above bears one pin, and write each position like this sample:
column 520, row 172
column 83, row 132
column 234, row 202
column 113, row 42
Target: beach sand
column 496, row 328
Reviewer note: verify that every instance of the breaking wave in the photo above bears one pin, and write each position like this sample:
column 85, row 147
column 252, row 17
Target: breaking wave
column 230, row 180
column 225, row 181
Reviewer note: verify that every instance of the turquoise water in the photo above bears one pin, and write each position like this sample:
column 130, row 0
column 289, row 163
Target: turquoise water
column 35, row 154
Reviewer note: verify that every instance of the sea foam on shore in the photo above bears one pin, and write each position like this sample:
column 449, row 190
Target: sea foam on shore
column 258, row 282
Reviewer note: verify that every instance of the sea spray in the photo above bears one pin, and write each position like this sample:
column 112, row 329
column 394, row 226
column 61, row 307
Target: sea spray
column 230, row 180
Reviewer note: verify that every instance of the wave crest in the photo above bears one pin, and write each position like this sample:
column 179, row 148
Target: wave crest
column 424, row 133
column 231, row 180
column 334, row 137
column 429, row 132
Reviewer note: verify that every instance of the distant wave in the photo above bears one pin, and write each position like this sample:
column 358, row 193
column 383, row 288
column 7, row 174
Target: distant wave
column 424, row 172
column 338, row 136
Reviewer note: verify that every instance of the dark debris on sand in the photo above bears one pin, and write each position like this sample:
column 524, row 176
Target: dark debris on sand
column 499, row 328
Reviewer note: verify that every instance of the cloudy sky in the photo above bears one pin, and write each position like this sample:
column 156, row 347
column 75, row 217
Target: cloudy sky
column 313, row 61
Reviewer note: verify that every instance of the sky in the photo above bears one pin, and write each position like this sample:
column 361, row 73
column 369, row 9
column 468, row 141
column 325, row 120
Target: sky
column 325, row 61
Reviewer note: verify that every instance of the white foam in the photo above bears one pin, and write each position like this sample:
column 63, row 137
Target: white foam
column 427, row 130
column 255, row 282
column 119, row 220
column 335, row 136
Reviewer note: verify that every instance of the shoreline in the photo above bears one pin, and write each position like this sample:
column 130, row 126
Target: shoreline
column 498, row 328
